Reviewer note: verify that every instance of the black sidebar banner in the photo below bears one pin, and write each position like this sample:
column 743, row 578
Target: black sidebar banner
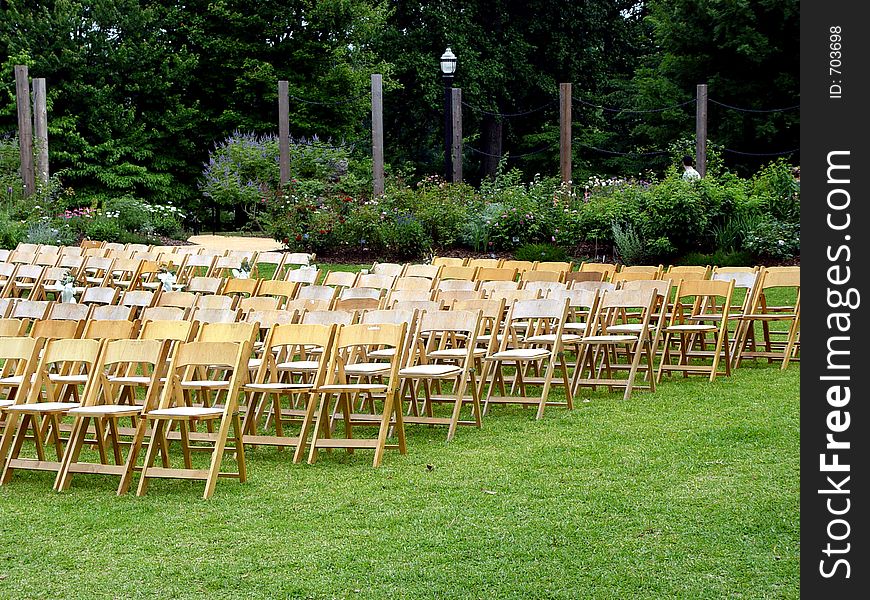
column 835, row 354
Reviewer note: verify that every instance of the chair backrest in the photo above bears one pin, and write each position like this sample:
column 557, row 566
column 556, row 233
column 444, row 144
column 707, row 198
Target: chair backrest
column 258, row 303
column 205, row 285
column 484, row 263
column 109, row 329
column 545, row 287
column 30, row 309
column 422, row 270
column 306, row 275
column 450, row 285
column 19, row 357
column 179, row 331
column 495, row 274
column 560, row 266
column 12, row 328
column 122, row 356
column 99, row 295
column 68, row 311
column 375, row 281
column 418, row 305
column 511, row 296
column 407, row 295
column 448, row 261
column 317, row 292
column 185, row 300
column 542, row 275
column 55, row 329
column 283, row 290
column 240, row 287
column 413, row 283
column 454, row 272
column 270, row 317
column 328, row 317
column 214, row 301
column 451, row 296
column 520, row 265
column 138, row 298
column 68, row 356
column 274, row 260
column 113, row 312
column 302, row 304
column 228, row 332
column 358, row 303
column 163, row 313
column 215, row 315
column 340, row 278
column 606, row 269
column 575, row 277
column 299, row 258
column 486, row 288
column 622, row 277
column 389, row 269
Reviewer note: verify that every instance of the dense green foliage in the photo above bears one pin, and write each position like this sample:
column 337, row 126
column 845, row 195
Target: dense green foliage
column 140, row 90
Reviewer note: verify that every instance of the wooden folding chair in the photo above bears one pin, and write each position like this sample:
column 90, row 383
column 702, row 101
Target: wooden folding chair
column 267, row 265
column 520, row 265
column 275, row 381
column 19, row 357
column 204, row 285
column 231, row 358
column 353, row 341
column 241, row 288
column 612, row 329
column 109, row 329
column 108, row 401
column 532, row 336
column 99, row 295
column 446, row 342
column 195, row 265
column 606, row 269
column 574, row 277
column 66, row 311
column 770, row 343
column 214, row 301
column 542, row 275
column 340, row 279
column 701, row 311
column 317, row 292
column 65, row 366
column 25, row 281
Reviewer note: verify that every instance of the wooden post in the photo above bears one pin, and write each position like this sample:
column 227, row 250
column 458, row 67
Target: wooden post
column 565, row 131
column 377, row 135
column 25, row 129
column 456, row 146
column 701, row 130
column 40, row 129
column 283, row 132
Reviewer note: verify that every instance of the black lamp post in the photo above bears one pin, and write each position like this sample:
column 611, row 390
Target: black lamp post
column 448, row 68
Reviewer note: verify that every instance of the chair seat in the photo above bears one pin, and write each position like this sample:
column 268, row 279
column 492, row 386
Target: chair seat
column 191, row 412
column 130, row 379
column 277, row 385
column 117, row 410
column 609, row 339
column 68, row 378
column 783, row 316
column 383, row 353
column 5, row 403
column 430, row 371
column 352, row 387
column 690, row 328
column 520, row 354
column 299, row 365
column 42, row 407
column 205, row 383
column 626, row 328
column 550, row 338
column 455, row 353
column 368, row 368
column 575, row 326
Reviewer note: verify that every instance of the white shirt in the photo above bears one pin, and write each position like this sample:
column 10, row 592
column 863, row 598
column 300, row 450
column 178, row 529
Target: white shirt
column 690, row 174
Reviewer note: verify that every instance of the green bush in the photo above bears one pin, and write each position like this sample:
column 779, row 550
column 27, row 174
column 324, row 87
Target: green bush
column 132, row 213
column 772, row 238
column 11, row 231
column 403, row 237
column 102, row 227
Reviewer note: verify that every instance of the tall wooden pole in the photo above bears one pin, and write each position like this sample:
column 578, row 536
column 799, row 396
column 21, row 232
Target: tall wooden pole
column 565, row 131
column 25, row 129
column 377, row 135
column 456, row 131
column 40, row 129
column 283, row 132
column 701, row 130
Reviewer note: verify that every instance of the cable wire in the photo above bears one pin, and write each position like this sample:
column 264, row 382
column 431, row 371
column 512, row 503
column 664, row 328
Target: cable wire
column 509, row 115
column 626, row 110
column 332, row 103
column 729, row 150
column 531, row 153
column 615, row 153
column 752, row 110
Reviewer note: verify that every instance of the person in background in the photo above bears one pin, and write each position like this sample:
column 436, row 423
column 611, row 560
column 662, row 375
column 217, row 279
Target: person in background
column 689, row 172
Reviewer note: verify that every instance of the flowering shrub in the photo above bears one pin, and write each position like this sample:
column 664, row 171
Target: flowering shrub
column 772, row 238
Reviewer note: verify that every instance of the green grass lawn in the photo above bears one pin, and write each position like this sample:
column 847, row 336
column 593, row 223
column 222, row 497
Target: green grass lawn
column 690, row 492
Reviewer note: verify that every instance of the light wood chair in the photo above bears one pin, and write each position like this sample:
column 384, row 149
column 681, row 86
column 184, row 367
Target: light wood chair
column 699, row 318
column 267, row 265
column 108, row 401
column 606, row 269
column 65, row 366
column 283, row 290
column 446, row 343
column 214, row 301
column 232, row 359
column 772, row 344
column 19, row 357
column 390, row 269
column 277, row 379
column 598, row 350
column 422, row 270
column 574, row 277
column 532, row 337
column 340, row 279
column 303, row 275
column 204, row 285
column 448, row 261
column 353, row 341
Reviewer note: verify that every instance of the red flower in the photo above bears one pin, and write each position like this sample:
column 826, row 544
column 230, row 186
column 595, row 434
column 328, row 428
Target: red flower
column 298, row 237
